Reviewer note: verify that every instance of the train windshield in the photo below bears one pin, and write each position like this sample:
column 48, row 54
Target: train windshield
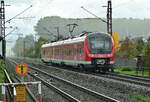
column 100, row 44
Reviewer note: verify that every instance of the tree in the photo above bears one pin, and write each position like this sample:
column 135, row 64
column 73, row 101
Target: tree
column 127, row 50
column 146, row 53
column 116, row 39
column 139, row 45
column 18, row 47
column 22, row 44
column 38, row 45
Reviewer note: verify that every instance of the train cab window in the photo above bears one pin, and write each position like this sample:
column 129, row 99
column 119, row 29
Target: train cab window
column 100, row 44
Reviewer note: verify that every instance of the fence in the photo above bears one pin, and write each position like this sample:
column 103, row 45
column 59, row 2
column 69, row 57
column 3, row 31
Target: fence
column 22, row 83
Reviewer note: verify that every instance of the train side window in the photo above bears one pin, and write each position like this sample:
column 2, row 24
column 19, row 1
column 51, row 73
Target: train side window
column 71, row 51
column 44, row 52
column 74, row 52
column 52, row 51
column 67, row 52
column 79, row 51
column 58, row 52
column 63, row 52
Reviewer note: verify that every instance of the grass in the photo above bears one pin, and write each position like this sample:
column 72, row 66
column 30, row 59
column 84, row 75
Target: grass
column 1, row 76
column 139, row 97
column 31, row 59
column 132, row 72
column 2, row 66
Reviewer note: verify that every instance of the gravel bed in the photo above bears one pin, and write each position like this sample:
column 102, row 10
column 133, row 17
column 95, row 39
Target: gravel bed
column 82, row 96
column 48, row 95
column 112, row 88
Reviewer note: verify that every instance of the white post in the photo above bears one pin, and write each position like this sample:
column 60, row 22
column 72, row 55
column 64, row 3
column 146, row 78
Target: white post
column 40, row 92
column 3, row 94
column 14, row 91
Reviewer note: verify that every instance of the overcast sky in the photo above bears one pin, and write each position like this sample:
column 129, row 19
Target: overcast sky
column 70, row 9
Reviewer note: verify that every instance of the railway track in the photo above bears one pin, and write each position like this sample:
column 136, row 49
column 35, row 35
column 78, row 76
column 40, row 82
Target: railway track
column 81, row 93
column 143, row 81
column 128, row 78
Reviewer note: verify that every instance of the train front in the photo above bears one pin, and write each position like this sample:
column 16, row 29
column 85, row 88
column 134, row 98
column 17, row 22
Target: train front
column 100, row 51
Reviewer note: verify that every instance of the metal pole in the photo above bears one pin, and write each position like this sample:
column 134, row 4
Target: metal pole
column 2, row 26
column 40, row 92
column 24, row 48
column 109, row 17
column 57, row 28
column 3, row 94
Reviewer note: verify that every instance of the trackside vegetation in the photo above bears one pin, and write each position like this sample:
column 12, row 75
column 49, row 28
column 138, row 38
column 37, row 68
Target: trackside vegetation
column 130, row 71
column 2, row 66
column 139, row 97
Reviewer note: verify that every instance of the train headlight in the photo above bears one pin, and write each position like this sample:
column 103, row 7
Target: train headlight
column 100, row 62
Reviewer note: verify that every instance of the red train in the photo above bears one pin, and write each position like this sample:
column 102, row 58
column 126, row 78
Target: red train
column 94, row 51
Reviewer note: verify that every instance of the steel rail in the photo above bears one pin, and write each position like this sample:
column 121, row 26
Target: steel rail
column 128, row 78
column 64, row 94
column 91, row 92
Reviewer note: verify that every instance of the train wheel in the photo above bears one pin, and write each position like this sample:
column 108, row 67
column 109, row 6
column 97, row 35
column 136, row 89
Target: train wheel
column 104, row 70
column 94, row 70
column 112, row 69
column 62, row 64
column 81, row 68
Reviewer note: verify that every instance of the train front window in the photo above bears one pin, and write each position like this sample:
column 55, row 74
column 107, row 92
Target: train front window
column 100, row 45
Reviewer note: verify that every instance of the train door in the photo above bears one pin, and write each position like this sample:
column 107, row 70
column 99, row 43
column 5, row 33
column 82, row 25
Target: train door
column 75, row 54
column 53, row 52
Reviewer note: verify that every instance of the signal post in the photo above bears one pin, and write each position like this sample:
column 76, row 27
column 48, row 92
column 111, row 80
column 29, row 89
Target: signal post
column 20, row 88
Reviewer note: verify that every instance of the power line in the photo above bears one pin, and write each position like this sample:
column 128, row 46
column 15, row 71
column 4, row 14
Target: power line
column 11, row 32
column 19, row 14
column 71, row 30
column 109, row 16
column 93, row 14
column 24, row 17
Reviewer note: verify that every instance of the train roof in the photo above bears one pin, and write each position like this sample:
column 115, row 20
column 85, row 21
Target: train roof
column 80, row 38
column 64, row 42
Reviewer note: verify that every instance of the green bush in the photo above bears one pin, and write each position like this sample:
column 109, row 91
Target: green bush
column 126, row 68
column 139, row 97
column 114, row 67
